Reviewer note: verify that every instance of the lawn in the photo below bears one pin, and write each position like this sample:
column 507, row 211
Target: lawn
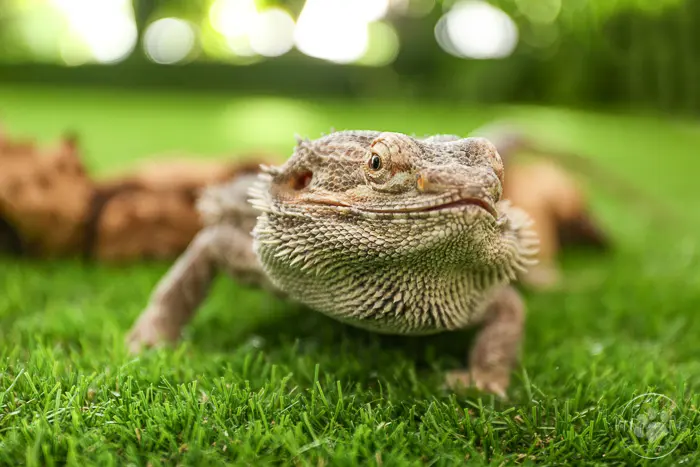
column 260, row 381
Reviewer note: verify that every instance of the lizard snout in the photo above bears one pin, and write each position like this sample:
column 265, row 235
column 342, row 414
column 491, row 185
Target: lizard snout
column 476, row 182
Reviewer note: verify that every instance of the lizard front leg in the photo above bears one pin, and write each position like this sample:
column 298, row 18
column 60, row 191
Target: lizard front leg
column 181, row 291
column 497, row 346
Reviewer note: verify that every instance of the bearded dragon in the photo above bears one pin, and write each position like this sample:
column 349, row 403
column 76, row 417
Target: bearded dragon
column 380, row 230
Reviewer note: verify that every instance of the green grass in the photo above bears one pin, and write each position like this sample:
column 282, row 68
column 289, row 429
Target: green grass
column 260, row 381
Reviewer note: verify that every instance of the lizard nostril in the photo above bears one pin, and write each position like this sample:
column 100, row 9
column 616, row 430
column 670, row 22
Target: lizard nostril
column 301, row 180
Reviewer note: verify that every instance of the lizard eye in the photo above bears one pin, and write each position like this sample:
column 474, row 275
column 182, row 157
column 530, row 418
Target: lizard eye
column 375, row 162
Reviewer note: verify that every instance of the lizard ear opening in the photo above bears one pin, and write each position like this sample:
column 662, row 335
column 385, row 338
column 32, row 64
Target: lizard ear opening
column 301, row 179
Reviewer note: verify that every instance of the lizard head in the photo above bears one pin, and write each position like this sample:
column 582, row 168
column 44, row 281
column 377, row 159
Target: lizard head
column 387, row 212
column 390, row 174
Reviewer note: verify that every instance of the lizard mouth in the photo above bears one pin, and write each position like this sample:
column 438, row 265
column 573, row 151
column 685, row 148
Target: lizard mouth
column 483, row 204
column 434, row 207
column 455, row 205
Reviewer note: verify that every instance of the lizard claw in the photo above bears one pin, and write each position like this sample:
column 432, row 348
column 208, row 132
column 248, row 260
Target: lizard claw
column 487, row 382
column 458, row 380
column 151, row 330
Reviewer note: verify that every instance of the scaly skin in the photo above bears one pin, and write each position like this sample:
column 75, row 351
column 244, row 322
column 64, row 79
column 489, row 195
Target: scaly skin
column 380, row 230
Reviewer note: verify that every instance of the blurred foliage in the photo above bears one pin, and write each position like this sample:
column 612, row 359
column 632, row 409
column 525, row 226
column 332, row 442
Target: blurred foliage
column 641, row 53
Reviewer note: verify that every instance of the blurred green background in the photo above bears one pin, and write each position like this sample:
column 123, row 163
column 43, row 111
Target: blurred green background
column 638, row 54
column 613, row 80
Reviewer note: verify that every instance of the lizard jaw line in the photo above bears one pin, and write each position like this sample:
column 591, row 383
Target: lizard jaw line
column 451, row 205
column 481, row 203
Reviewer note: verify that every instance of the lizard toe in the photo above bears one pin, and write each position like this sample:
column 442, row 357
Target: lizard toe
column 495, row 383
column 151, row 330
column 458, row 380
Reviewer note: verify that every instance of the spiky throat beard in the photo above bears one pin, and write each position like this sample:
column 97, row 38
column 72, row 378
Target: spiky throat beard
column 413, row 274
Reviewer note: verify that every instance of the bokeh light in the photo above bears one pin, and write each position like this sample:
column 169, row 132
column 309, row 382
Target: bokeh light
column 103, row 31
column 240, row 45
column 541, row 36
column 478, row 30
column 234, row 19
column 337, row 30
column 412, row 8
column 539, row 11
column 37, row 29
column 169, row 40
column 272, row 33
column 383, row 45
column 371, row 10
